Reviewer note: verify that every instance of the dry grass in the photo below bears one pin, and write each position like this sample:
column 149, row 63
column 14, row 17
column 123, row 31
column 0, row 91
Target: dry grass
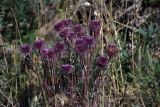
column 130, row 81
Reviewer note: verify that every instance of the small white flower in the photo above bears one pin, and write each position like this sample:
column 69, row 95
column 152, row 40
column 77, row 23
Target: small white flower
column 87, row 4
column 95, row 13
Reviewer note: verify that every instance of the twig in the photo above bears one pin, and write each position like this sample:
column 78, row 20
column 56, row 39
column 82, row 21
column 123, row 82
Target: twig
column 17, row 26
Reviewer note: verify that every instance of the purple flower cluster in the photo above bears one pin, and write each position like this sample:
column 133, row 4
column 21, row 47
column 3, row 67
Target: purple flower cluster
column 76, row 34
column 48, row 54
column 52, row 53
column 39, row 44
column 59, row 47
column 84, row 43
column 67, row 33
column 81, row 43
column 102, row 61
column 26, row 49
column 112, row 50
column 60, row 57
column 60, row 25
column 78, row 28
column 95, row 27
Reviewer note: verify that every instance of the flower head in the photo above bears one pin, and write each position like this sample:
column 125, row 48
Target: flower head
column 95, row 25
column 84, row 43
column 39, row 44
column 26, row 49
column 80, row 34
column 112, row 50
column 66, row 33
column 80, row 46
column 59, row 26
column 78, row 28
column 88, row 40
column 102, row 61
column 48, row 54
column 67, row 68
column 59, row 47
column 66, row 22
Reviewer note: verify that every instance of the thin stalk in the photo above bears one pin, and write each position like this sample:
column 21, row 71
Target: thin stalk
column 102, row 53
column 17, row 26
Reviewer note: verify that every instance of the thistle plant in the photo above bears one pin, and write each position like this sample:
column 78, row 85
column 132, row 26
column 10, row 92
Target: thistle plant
column 76, row 46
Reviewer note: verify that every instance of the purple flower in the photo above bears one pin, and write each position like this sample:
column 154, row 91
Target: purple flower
column 80, row 34
column 80, row 46
column 67, row 68
column 60, row 25
column 59, row 47
column 26, row 49
column 67, row 22
column 89, row 41
column 84, row 43
column 78, row 28
column 80, row 49
column 71, row 36
column 66, row 33
column 95, row 25
column 112, row 50
column 39, row 44
column 79, row 41
column 102, row 61
column 48, row 54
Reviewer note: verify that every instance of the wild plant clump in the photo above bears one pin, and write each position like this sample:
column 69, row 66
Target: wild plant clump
column 69, row 65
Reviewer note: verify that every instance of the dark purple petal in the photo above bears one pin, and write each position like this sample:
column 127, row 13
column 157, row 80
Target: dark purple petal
column 60, row 25
column 59, row 47
column 67, row 22
column 88, row 40
column 39, row 44
column 78, row 28
column 95, row 25
column 67, row 32
column 71, row 36
column 26, row 49
column 80, row 49
column 67, row 68
column 48, row 53
column 102, row 61
column 84, row 43
column 79, row 41
column 112, row 50
column 80, row 34
column 80, row 46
